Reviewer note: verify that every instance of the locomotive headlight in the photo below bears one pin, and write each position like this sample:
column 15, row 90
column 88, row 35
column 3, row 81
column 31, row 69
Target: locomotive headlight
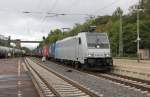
column 90, row 55
column 107, row 55
column 98, row 46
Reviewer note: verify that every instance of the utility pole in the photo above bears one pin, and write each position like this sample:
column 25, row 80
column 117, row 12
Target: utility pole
column 138, row 32
column 138, row 35
column 120, row 38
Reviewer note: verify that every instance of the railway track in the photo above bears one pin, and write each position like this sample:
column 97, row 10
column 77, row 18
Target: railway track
column 126, row 81
column 51, row 84
column 120, row 79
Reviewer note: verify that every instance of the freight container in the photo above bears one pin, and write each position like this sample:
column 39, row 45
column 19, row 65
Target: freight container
column 45, row 51
column 51, row 50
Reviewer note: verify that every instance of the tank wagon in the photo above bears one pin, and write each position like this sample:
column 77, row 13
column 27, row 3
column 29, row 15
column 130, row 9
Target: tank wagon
column 85, row 50
column 8, row 52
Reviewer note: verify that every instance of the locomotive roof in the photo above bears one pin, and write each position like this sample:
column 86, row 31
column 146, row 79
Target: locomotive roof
column 67, row 38
column 71, row 37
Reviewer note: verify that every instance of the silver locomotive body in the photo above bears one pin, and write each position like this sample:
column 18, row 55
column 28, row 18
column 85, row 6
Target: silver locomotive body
column 90, row 50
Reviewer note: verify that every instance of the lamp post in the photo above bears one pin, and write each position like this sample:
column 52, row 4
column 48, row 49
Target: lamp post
column 138, row 33
column 138, row 36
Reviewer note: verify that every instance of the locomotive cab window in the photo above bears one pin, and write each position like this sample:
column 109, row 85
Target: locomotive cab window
column 79, row 40
column 97, row 41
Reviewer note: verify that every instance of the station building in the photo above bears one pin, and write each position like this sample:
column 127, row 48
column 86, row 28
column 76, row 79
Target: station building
column 145, row 54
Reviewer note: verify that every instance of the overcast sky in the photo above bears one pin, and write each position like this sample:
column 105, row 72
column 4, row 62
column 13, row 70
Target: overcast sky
column 18, row 25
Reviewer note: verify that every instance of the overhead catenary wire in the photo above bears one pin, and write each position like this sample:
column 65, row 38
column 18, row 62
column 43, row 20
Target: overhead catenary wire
column 53, row 6
column 82, row 14
column 107, row 6
column 49, row 12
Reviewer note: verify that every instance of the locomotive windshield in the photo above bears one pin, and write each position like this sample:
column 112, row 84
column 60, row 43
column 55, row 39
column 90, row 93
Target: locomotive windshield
column 97, row 40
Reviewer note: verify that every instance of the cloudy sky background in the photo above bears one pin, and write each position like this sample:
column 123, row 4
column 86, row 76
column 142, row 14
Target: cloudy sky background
column 18, row 25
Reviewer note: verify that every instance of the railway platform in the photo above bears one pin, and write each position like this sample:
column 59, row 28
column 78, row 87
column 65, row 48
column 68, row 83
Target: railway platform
column 14, row 81
column 132, row 68
column 128, row 62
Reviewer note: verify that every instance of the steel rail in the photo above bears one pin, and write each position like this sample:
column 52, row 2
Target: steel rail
column 138, row 84
column 128, row 82
column 49, row 86
column 75, row 84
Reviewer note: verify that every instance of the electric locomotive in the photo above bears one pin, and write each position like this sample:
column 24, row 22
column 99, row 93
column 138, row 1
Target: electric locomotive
column 86, row 50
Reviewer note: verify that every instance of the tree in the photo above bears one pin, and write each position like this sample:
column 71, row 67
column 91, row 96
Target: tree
column 118, row 12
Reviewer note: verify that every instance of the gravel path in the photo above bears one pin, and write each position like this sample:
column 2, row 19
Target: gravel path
column 102, row 86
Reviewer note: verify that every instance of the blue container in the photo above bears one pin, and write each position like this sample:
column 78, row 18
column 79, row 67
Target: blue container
column 51, row 50
column 56, row 49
